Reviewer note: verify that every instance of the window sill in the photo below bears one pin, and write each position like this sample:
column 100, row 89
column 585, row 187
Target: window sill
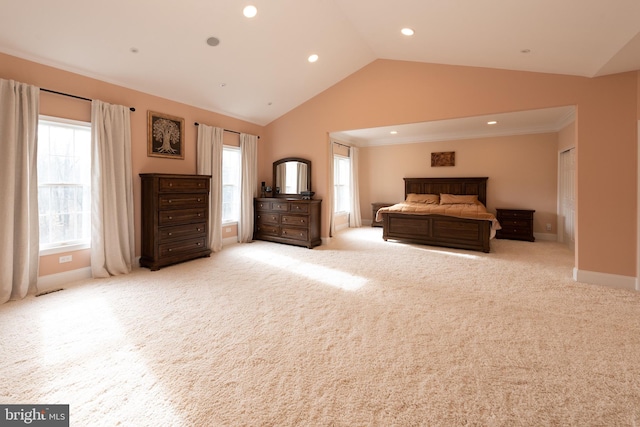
column 66, row 248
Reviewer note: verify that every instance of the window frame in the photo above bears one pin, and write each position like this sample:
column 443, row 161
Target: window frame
column 235, row 149
column 71, row 245
column 338, row 158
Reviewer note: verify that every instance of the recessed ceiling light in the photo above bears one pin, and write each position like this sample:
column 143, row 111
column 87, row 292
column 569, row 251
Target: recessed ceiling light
column 312, row 58
column 250, row 11
column 492, row 122
column 407, row 31
column 394, row 132
column 212, row 41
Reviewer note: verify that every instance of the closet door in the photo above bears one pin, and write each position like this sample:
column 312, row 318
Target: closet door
column 567, row 197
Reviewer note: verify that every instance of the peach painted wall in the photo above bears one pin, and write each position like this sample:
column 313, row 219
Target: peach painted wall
column 61, row 106
column 567, row 137
column 522, row 171
column 387, row 92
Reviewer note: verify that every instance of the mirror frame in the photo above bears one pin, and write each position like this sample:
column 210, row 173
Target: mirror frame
column 291, row 159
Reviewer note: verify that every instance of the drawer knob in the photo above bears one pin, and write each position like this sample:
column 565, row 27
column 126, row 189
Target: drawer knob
column 199, row 199
column 170, row 217
column 199, row 229
column 169, row 200
column 170, row 249
column 170, row 234
column 171, row 184
column 199, row 243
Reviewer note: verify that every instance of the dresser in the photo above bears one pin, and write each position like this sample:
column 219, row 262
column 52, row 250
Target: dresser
column 374, row 210
column 175, row 215
column 291, row 221
column 517, row 224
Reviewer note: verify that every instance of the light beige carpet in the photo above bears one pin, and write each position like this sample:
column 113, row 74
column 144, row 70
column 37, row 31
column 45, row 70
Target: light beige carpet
column 360, row 332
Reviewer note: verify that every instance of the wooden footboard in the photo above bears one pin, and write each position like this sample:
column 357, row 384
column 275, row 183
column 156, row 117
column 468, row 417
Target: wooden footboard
column 437, row 230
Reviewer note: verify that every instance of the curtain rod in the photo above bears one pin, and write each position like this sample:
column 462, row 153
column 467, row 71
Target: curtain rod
column 344, row 145
column 74, row 96
column 226, row 130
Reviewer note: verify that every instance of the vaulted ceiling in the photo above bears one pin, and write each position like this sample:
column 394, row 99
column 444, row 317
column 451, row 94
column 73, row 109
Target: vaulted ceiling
column 258, row 70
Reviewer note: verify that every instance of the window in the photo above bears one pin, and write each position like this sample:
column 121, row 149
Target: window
column 230, row 184
column 64, row 183
column 341, row 183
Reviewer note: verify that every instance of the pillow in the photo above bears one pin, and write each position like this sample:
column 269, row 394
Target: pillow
column 429, row 199
column 458, row 199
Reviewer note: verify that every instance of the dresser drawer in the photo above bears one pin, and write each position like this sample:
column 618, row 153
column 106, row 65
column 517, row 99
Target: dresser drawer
column 179, row 216
column 183, row 185
column 182, row 232
column 295, row 233
column 298, row 207
column 177, row 201
column 296, row 220
column 182, row 246
column 268, row 229
column 263, row 206
column 268, row 218
column 280, row 206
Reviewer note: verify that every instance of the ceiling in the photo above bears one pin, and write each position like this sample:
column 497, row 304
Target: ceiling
column 259, row 70
column 514, row 123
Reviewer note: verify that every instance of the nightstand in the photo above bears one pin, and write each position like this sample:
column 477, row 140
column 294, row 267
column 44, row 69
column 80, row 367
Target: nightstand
column 374, row 209
column 517, row 224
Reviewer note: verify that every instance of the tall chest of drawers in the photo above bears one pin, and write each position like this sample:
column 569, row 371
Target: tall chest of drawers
column 175, row 215
column 292, row 221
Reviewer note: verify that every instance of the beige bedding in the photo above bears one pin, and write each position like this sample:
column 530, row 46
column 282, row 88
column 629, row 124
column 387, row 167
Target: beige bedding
column 474, row 210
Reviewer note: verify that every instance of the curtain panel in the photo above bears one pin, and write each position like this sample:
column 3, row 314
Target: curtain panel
column 112, row 232
column 209, row 162
column 19, row 224
column 355, row 218
column 249, row 185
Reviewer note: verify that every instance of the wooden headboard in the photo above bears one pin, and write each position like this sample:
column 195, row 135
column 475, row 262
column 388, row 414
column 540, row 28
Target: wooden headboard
column 464, row 186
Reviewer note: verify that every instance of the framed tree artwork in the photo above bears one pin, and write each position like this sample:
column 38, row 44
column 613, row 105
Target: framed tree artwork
column 165, row 136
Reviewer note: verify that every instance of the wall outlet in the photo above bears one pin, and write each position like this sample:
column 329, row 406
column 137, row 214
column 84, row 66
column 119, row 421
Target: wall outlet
column 548, row 227
column 65, row 258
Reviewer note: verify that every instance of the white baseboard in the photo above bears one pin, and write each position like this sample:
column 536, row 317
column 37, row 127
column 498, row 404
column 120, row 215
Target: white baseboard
column 546, row 237
column 605, row 279
column 58, row 280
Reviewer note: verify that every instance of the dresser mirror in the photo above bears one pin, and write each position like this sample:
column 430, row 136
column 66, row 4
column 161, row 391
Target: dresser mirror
column 291, row 177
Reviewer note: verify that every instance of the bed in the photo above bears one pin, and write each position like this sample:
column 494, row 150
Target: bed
column 447, row 224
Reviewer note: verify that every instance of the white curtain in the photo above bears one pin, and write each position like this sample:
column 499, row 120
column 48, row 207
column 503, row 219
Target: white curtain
column 330, row 193
column 19, row 225
column 248, row 186
column 355, row 219
column 112, row 232
column 209, row 162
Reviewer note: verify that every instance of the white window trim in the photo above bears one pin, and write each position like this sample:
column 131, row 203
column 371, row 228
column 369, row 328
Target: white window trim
column 73, row 246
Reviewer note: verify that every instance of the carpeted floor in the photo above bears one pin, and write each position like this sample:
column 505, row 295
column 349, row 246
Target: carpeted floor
column 359, row 332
